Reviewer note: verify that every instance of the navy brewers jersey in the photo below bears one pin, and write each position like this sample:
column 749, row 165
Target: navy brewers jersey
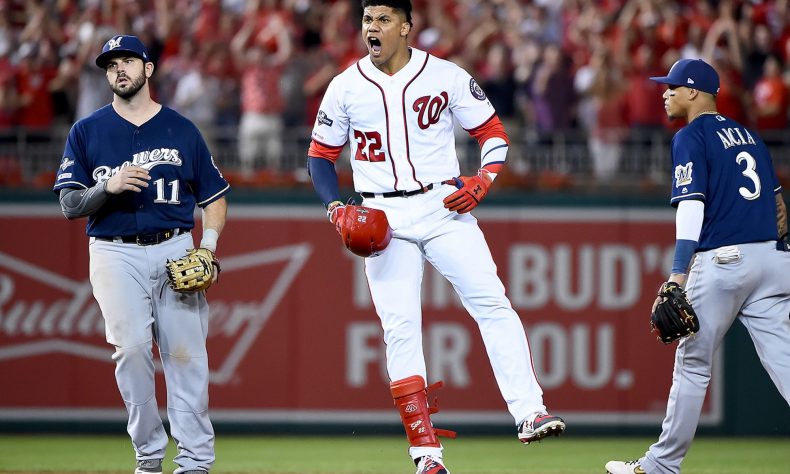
column 168, row 145
column 720, row 162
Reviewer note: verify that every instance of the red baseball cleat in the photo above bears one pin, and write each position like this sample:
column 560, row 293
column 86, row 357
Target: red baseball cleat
column 431, row 465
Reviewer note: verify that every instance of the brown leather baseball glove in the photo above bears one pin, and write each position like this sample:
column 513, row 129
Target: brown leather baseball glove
column 195, row 271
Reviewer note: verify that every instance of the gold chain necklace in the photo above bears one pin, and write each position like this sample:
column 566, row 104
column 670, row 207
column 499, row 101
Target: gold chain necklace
column 705, row 112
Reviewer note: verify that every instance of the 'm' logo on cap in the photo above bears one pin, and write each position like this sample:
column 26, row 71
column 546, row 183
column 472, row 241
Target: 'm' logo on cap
column 690, row 81
column 114, row 43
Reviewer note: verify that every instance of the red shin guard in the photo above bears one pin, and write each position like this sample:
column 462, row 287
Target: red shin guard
column 411, row 399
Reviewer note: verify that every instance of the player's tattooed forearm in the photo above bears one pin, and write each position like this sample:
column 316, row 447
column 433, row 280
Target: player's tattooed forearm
column 781, row 215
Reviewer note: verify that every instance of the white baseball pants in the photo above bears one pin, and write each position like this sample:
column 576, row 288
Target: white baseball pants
column 454, row 244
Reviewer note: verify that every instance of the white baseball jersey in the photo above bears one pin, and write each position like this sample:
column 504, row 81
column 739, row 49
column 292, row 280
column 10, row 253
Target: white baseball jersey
column 400, row 127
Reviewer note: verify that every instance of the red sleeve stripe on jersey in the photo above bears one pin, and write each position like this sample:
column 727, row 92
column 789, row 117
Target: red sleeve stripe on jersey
column 489, row 129
column 327, row 152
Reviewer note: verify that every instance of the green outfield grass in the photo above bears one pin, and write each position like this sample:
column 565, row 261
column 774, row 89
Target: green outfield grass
column 387, row 455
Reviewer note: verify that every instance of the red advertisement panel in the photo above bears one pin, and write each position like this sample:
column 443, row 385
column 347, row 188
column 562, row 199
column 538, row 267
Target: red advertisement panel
column 294, row 336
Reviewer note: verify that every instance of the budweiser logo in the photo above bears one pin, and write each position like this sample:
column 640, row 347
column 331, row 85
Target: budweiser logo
column 74, row 325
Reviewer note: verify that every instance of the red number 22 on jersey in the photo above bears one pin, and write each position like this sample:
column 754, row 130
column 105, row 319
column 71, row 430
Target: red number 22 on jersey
column 371, row 141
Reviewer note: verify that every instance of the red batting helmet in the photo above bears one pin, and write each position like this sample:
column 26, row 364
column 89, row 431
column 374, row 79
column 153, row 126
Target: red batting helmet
column 365, row 231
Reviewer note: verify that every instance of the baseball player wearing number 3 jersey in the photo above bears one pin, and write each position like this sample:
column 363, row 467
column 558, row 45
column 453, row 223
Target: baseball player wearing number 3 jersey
column 137, row 169
column 396, row 108
column 731, row 224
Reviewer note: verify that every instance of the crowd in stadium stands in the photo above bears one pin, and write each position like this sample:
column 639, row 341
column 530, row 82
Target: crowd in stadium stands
column 261, row 66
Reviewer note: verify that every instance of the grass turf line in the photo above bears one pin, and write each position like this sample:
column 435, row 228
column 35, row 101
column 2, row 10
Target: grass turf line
column 388, row 455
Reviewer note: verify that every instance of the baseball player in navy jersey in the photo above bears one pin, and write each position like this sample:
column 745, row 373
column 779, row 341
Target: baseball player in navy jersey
column 137, row 169
column 395, row 107
column 730, row 254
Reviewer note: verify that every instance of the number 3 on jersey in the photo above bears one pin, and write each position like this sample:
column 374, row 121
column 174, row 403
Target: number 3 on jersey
column 751, row 173
column 368, row 146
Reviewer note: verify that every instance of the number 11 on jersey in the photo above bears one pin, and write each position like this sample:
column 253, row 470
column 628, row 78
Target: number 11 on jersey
column 160, row 192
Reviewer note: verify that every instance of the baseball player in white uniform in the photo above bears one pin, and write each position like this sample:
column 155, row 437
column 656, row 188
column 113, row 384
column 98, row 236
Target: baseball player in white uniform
column 396, row 107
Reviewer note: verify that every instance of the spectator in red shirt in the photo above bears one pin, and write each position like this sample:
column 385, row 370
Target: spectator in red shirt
column 732, row 96
column 771, row 97
column 8, row 94
column 644, row 112
column 261, row 125
column 723, row 50
column 33, row 78
column 609, row 126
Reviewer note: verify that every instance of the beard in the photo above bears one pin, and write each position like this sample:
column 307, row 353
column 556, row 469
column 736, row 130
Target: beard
column 676, row 116
column 127, row 91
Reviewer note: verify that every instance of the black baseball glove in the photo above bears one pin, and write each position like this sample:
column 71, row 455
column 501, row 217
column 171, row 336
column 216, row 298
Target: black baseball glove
column 674, row 317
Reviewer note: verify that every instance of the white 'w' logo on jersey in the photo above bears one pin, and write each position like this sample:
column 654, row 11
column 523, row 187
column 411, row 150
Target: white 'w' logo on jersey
column 429, row 109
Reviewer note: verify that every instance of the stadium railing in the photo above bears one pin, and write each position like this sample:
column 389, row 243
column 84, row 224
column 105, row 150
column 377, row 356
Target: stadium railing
column 560, row 160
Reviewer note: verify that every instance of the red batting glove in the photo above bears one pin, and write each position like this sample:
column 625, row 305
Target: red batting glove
column 471, row 190
column 335, row 211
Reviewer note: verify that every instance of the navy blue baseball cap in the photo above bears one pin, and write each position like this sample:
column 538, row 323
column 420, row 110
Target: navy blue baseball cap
column 692, row 73
column 122, row 45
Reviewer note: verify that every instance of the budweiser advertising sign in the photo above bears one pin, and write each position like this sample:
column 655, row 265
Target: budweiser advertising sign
column 293, row 334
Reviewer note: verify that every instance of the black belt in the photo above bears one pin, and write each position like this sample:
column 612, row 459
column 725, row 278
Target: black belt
column 393, row 194
column 146, row 239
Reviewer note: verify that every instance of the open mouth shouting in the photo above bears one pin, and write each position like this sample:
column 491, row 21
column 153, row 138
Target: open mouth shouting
column 374, row 46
